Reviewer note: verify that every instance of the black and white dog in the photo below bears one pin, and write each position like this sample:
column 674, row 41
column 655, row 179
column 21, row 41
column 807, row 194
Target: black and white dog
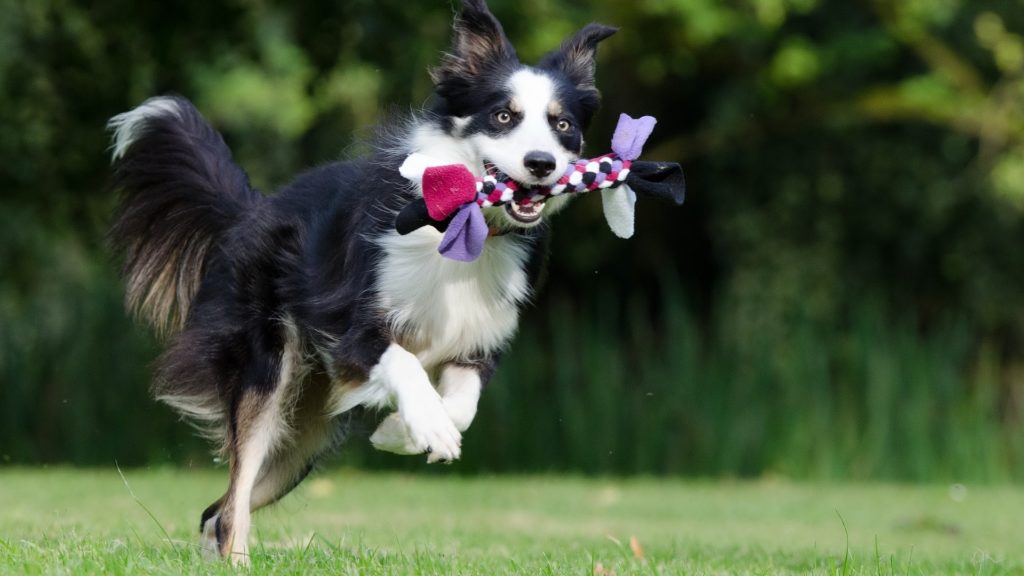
column 288, row 311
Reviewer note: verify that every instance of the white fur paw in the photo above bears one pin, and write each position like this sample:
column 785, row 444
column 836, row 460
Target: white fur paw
column 393, row 436
column 208, row 539
column 430, row 428
column 211, row 548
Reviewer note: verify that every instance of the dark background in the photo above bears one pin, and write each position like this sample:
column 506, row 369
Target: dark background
column 841, row 296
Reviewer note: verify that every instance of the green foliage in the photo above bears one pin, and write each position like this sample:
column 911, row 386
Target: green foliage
column 840, row 297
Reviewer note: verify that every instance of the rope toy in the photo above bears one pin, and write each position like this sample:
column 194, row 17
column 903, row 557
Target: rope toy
column 453, row 197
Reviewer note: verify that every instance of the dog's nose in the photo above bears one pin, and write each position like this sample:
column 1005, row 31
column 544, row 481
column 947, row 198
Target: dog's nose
column 540, row 164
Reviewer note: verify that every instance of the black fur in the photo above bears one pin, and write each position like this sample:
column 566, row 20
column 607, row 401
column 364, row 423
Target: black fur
column 576, row 59
column 181, row 191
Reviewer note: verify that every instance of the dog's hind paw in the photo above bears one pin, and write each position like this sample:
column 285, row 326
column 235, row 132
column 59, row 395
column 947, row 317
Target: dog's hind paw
column 208, row 542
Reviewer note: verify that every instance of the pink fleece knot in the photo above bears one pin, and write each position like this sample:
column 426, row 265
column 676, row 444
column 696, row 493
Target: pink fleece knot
column 446, row 189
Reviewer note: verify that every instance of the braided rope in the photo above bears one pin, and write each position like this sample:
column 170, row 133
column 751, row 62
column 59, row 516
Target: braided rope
column 583, row 175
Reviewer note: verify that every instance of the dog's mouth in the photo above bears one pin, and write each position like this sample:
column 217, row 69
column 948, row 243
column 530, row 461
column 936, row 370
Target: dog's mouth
column 523, row 213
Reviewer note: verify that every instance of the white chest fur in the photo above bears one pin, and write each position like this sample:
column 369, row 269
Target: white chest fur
column 444, row 310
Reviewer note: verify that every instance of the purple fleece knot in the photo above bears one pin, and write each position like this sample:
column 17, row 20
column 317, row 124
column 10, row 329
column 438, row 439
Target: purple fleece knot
column 631, row 134
column 464, row 239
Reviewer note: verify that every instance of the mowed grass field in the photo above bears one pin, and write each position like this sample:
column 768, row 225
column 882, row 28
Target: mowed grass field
column 65, row 521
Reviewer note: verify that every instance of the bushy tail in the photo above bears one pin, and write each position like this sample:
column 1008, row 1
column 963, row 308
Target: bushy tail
column 180, row 191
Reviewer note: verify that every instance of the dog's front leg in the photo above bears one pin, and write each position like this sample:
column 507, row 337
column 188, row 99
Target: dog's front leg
column 459, row 388
column 423, row 424
column 460, row 392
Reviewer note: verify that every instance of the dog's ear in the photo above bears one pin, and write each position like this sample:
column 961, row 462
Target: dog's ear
column 576, row 58
column 478, row 42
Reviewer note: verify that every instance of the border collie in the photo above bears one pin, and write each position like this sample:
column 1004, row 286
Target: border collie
column 286, row 312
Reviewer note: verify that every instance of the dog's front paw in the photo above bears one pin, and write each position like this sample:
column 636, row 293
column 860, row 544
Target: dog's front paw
column 431, row 429
column 392, row 435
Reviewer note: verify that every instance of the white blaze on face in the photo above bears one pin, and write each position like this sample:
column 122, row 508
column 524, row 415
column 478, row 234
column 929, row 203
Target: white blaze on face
column 533, row 96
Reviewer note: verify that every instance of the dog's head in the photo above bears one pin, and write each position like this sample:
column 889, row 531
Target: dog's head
column 524, row 121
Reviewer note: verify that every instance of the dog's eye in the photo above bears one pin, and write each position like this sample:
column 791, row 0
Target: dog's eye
column 563, row 125
column 503, row 116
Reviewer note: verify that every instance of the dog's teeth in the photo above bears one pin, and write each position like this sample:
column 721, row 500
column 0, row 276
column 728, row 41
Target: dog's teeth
column 525, row 213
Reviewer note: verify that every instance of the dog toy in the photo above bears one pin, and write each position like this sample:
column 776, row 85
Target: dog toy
column 453, row 197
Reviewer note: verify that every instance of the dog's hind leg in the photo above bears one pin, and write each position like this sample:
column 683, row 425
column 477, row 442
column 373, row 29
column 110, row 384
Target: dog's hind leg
column 257, row 425
column 314, row 434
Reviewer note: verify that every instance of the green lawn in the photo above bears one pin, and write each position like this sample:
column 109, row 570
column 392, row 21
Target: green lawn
column 342, row 522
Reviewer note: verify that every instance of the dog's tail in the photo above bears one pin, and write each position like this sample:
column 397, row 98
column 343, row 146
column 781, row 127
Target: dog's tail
column 181, row 191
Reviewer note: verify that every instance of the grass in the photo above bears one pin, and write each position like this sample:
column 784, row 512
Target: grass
column 65, row 521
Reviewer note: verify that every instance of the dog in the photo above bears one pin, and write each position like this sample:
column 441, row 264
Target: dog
column 286, row 314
